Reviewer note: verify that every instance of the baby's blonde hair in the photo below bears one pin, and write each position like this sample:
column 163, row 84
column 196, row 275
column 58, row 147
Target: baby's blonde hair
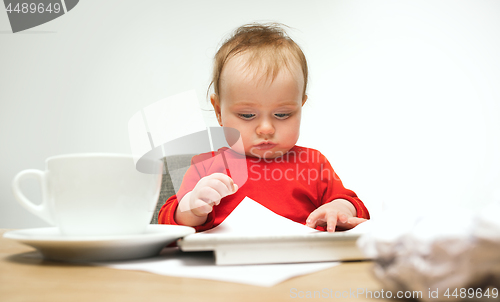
column 267, row 45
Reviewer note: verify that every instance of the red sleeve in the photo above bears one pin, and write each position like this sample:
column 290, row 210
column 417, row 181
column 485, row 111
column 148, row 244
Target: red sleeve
column 167, row 214
column 167, row 211
column 334, row 189
column 195, row 172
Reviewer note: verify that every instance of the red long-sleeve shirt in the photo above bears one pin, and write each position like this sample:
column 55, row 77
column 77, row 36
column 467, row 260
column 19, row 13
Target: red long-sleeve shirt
column 292, row 185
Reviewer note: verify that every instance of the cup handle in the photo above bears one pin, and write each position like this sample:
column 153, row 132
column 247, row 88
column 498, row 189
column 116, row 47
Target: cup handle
column 41, row 210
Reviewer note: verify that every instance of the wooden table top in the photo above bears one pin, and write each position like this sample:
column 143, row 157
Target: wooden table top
column 25, row 276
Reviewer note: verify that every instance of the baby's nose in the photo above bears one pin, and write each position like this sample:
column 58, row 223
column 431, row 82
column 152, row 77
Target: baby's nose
column 265, row 128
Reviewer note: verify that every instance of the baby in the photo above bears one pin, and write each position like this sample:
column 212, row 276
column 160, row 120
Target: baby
column 260, row 80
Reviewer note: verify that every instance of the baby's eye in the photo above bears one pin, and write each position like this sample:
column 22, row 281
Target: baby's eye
column 282, row 116
column 246, row 116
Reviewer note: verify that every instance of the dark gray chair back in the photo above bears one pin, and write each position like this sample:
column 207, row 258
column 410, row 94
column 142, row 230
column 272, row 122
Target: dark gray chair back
column 176, row 166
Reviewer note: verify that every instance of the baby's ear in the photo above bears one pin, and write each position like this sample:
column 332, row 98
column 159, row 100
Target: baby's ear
column 304, row 99
column 214, row 99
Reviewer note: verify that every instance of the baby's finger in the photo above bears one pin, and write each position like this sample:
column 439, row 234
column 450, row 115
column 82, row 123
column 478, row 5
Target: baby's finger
column 200, row 207
column 313, row 218
column 228, row 181
column 354, row 221
column 331, row 221
column 219, row 187
column 209, row 194
column 351, row 223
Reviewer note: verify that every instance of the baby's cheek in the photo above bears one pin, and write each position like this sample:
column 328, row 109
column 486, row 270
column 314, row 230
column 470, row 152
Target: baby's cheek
column 293, row 132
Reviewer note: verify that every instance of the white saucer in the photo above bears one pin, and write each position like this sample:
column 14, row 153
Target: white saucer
column 53, row 245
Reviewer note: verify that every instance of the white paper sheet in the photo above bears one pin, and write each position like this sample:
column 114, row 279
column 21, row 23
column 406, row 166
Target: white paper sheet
column 252, row 218
column 173, row 262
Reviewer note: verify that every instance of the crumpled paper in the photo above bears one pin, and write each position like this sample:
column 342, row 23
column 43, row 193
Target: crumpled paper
column 436, row 250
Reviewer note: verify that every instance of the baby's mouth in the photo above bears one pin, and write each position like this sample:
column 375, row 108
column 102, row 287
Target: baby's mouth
column 265, row 146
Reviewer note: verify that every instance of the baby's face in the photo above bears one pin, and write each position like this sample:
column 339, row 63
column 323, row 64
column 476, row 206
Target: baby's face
column 266, row 113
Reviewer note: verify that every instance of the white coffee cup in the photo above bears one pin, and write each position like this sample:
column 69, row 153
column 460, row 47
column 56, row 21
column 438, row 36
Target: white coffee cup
column 94, row 194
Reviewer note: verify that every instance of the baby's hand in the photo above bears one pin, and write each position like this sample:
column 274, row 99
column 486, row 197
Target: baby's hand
column 338, row 213
column 208, row 192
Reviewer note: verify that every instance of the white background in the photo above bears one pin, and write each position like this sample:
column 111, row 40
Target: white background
column 404, row 96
